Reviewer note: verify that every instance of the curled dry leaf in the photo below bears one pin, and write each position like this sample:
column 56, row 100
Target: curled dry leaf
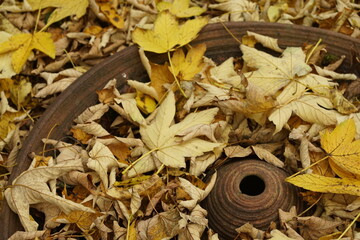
column 314, row 227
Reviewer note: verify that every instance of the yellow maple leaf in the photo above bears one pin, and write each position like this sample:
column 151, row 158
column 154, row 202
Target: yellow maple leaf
column 64, row 8
column 22, row 44
column 180, row 8
column 167, row 34
column 341, row 148
column 187, row 67
column 317, row 183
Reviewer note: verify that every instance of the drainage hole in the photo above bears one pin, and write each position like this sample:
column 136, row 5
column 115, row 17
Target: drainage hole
column 252, row 185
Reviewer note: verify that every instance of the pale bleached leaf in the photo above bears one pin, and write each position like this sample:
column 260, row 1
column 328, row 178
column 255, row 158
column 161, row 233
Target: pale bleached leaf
column 237, row 151
column 212, row 93
column 132, row 110
column 239, row 10
column 274, row 73
column 102, row 160
column 144, row 88
column 249, row 229
column 201, row 163
column 92, row 113
column 160, row 134
column 31, row 187
column 225, row 74
column 310, row 108
column 27, row 235
column 135, row 202
column 55, row 87
column 335, row 75
column 147, row 163
column 266, row 41
column 93, row 128
column 193, row 225
column 266, row 155
column 195, row 193
column 277, row 235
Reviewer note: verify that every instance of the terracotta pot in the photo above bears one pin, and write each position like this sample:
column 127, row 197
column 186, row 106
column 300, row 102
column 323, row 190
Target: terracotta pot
column 126, row 65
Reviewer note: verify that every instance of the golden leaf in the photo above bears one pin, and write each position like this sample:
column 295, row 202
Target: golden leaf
column 342, row 150
column 132, row 235
column 111, row 14
column 7, row 122
column 187, row 67
column 22, row 44
column 120, row 150
column 167, row 34
column 82, row 219
column 323, row 184
column 41, row 161
column 180, row 8
column 160, row 75
column 80, row 135
column 64, row 8
column 145, row 103
column 131, row 181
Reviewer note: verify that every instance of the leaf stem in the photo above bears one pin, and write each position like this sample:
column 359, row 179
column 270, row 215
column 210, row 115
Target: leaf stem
column 176, row 80
column 137, row 160
column 160, row 168
column 231, row 34
column 312, row 50
column 348, row 228
column 310, row 166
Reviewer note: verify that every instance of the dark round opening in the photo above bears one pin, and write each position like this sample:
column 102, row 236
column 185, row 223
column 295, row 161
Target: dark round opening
column 252, row 185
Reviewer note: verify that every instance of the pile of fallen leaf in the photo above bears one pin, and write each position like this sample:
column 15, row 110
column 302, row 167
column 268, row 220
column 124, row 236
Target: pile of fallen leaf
column 139, row 177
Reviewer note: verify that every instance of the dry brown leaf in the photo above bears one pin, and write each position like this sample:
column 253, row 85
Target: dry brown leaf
column 80, row 135
column 313, row 228
column 162, row 225
column 250, row 230
column 84, row 220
